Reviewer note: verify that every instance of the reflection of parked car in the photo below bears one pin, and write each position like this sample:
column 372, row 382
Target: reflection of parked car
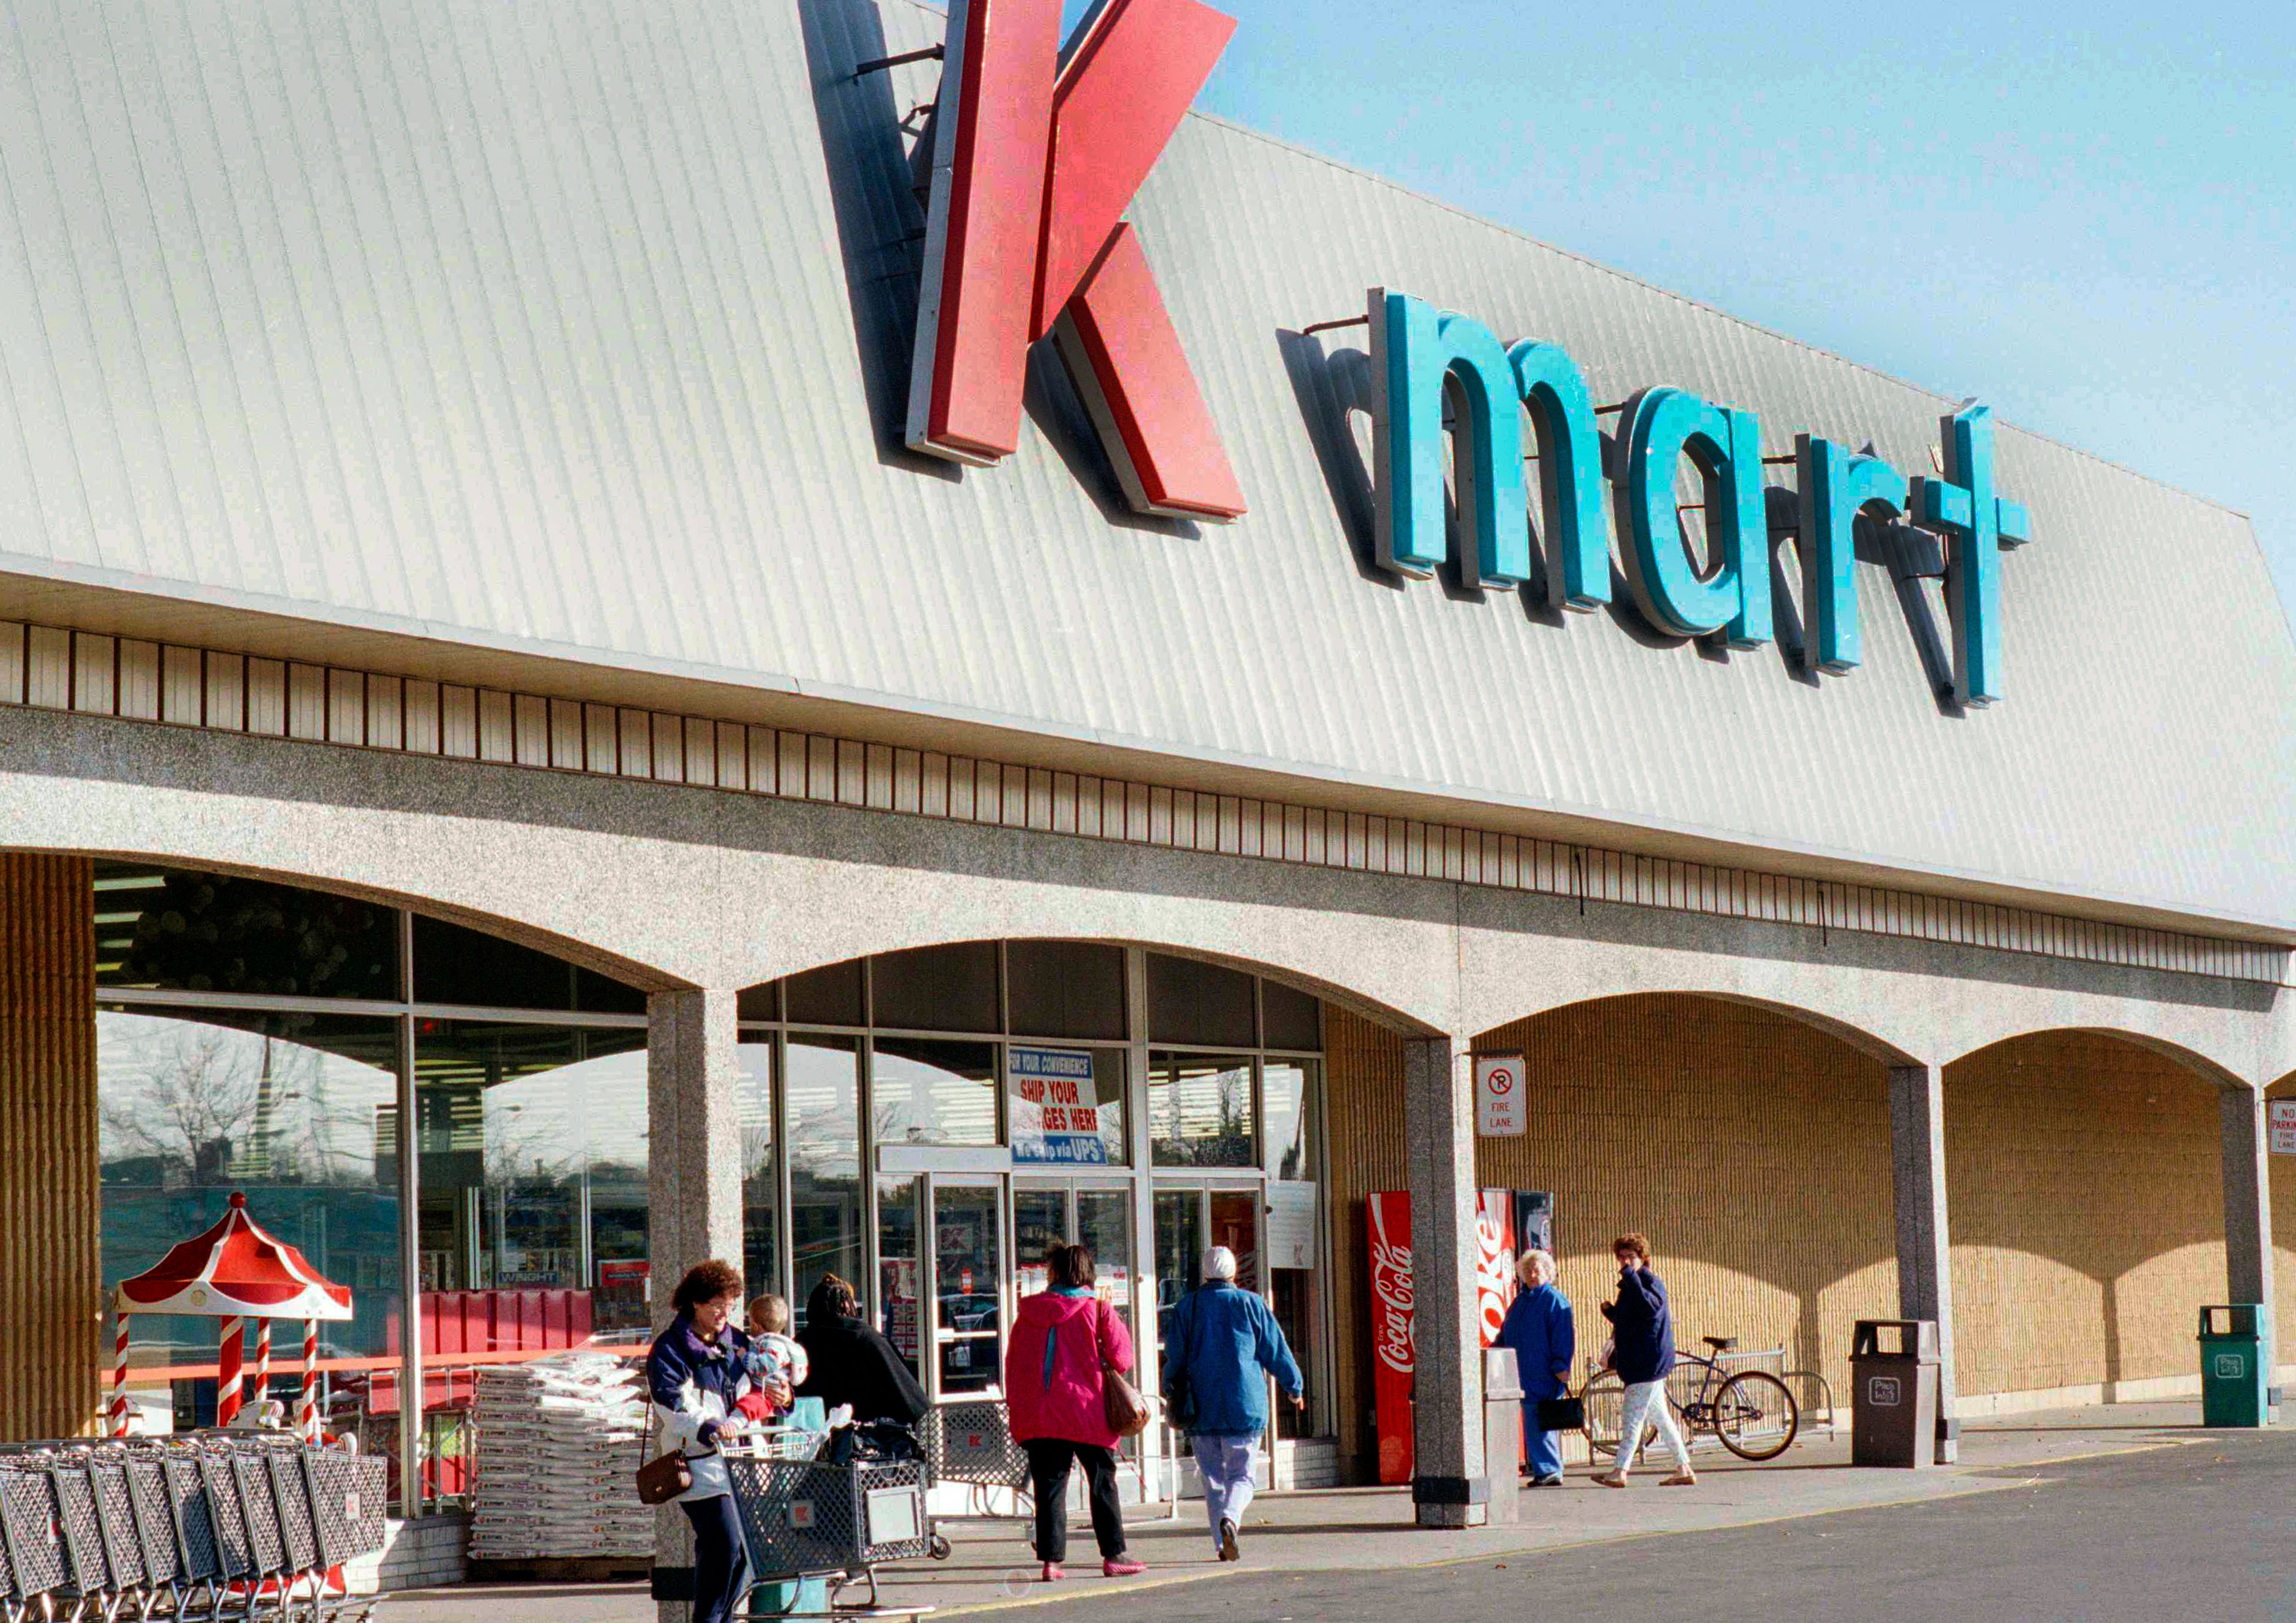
column 962, row 1312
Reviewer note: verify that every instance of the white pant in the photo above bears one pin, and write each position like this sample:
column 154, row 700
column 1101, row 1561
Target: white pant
column 1646, row 1404
column 1226, row 1464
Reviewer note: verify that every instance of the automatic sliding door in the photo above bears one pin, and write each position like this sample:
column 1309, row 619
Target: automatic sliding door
column 1040, row 1221
column 968, row 1284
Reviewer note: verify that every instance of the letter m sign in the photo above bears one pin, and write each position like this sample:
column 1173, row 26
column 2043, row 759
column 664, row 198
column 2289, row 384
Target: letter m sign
column 1037, row 152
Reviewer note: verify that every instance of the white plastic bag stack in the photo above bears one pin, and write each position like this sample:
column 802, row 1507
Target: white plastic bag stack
column 560, row 1440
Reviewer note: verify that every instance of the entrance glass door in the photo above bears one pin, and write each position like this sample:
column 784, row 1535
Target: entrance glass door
column 1040, row 1221
column 1180, row 1247
column 968, row 1312
column 1104, row 1223
column 1095, row 1214
column 1235, row 1225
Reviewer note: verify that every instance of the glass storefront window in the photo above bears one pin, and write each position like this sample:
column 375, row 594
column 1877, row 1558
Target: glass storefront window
column 822, row 1102
column 761, row 1197
column 1065, row 988
column 184, row 931
column 1293, row 1018
column 1190, row 1001
column 297, row 1111
column 532, row 1142
column 898, row 1262
column 454, row 965
column 924, row 1091
column 830, row 997
column 1199, row 1110
column 1064, row 1107
column 936, row 988
column 1288, row 1108
column 1292, row 1295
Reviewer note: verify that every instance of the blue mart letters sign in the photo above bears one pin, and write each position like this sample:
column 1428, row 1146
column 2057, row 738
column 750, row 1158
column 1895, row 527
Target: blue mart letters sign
column 1423, row 358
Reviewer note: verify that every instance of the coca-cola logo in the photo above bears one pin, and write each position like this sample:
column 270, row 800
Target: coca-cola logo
column 1390, row 1291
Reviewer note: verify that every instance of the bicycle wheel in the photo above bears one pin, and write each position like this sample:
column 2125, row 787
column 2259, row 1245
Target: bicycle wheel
column 1755, row 1415
column 1605, row 1397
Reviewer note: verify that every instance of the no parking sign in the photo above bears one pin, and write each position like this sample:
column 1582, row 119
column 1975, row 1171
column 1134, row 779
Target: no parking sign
column 1499, row 1110
column 2281, row 1125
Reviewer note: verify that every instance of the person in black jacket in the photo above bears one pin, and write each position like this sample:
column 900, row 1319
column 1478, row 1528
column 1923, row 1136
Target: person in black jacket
column 1642, row 1335
column 852, row 1363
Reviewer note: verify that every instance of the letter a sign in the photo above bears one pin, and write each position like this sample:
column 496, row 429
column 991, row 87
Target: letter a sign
column 1037, row 152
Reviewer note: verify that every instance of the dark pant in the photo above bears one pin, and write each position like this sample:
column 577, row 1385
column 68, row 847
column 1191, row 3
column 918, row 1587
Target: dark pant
column 1048, row 1479
column 721, row 1566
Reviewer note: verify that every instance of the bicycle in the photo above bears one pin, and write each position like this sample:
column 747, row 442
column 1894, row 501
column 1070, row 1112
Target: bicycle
column 1752, row 1413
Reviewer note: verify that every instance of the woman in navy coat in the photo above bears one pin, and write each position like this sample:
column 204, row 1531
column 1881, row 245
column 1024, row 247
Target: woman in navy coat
column 1540, row 1328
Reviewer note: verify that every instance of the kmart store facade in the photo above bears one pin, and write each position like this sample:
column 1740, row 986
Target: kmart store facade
column 544, row 737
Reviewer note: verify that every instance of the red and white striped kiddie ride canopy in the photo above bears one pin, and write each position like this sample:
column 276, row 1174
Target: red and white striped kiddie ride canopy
column 234, row 1272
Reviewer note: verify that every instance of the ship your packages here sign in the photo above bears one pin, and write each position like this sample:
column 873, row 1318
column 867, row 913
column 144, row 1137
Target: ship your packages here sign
column 1055, row 1107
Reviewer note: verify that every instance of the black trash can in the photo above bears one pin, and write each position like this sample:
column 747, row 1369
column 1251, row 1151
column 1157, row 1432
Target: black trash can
column 1893, row 1376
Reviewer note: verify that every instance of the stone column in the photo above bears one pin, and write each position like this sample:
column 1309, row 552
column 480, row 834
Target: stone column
column 1924, row 1244
column 693, row 1189
column 50, row 1209
column 2248, row 1211
column 1449, row 1487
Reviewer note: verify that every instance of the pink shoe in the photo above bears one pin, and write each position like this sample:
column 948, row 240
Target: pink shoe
column 1122, row 1566
column 1052, row 1573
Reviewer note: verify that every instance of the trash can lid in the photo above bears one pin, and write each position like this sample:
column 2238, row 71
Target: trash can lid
column 2229, row 1319
column 1914, row 1339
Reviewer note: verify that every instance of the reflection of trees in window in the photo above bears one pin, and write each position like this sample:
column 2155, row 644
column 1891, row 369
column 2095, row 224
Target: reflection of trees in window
column 187, row 1103
column 212, row 932
column 1201, row 1116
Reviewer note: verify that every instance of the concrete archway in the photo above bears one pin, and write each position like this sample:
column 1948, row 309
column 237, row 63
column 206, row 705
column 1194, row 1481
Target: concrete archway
column 1726, row 1128
column 2085, row 1171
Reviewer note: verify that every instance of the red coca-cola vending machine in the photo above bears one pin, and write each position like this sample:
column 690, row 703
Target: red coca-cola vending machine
column 1508, row 1222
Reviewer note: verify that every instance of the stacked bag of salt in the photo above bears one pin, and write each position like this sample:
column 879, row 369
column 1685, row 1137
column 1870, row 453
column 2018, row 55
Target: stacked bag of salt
column 558, row 1440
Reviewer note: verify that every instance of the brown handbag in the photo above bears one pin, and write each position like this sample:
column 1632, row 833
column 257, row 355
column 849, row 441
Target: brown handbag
column 1120, row 1403
column 662, row 1480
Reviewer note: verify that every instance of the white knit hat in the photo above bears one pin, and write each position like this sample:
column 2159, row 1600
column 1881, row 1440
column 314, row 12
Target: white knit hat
column 1219, row 1263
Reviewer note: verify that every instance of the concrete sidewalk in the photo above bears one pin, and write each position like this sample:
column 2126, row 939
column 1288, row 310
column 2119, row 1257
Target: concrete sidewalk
column 1370, row 1529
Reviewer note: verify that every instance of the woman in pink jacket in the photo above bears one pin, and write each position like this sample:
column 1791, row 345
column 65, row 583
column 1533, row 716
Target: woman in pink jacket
column 1061, row 1339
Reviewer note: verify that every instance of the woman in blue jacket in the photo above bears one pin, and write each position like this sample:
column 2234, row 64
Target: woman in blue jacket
column 1543, row 1332
column 1219, row 1348
column 1642, row 1332
column 696, row 1375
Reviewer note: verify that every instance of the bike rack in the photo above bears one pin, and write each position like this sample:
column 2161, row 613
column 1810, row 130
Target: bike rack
column 1825, row 1391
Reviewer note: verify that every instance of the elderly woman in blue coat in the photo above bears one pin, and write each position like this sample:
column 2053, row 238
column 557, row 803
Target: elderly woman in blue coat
column 1540, row 1329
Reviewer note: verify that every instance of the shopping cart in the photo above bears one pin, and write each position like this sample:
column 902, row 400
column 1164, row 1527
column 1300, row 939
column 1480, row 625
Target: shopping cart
column 969, row 1443
column 821, row 1527
column 200, row 1525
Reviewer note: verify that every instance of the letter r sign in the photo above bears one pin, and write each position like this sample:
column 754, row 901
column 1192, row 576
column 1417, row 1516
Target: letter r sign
column 1037, row 152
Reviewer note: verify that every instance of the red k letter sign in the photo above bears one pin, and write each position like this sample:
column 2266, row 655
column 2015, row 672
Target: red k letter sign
column 1037, row 154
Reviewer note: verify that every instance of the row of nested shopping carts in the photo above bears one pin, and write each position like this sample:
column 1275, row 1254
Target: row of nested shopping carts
column 205, row 1526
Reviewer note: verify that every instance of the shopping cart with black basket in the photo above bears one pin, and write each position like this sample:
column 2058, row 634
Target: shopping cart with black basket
column 969, row 1444
column 817, row 1527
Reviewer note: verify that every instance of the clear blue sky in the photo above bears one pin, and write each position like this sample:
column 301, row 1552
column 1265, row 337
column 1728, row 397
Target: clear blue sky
column 2089, row 223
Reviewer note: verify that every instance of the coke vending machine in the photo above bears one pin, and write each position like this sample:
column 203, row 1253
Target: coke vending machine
column 1508, row 1222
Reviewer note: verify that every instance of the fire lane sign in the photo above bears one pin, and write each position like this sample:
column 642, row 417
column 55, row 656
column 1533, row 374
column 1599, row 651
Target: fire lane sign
column 2280, row 1124
column 1499, row 1110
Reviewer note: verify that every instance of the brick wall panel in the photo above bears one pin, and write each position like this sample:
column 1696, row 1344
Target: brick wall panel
column 2085, row 1182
